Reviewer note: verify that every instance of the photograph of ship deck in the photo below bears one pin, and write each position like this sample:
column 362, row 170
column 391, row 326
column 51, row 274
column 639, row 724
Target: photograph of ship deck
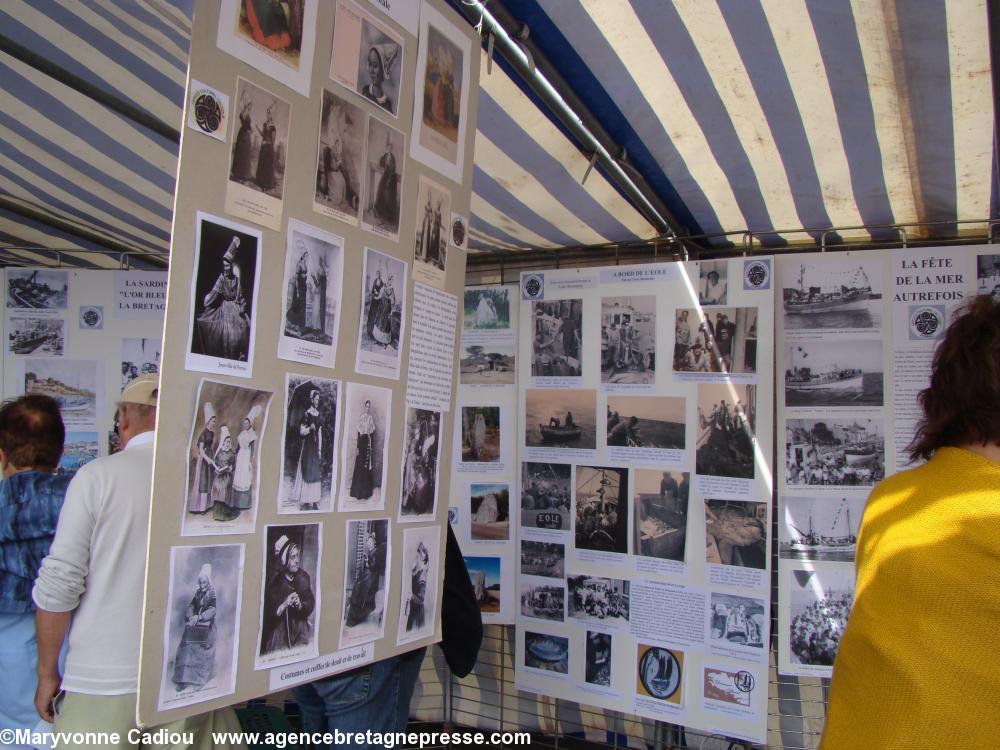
column 823, row 528
column 628, row 339
column 39, row 336
column 830, row 293
column 834, row 373
column 834, row 452
column 602, row 509
column 545, row 495
column 727, row 418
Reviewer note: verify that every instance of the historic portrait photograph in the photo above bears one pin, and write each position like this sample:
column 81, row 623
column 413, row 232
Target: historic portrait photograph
column 597, row 664
column 819, row 603
column 201, row 624
column 545, row 495
column 557, row 346
column 820, row 528
column 740, row 620
column 842, row 372
column 421, row 443
column 646, row 422
column 543, row 599
column 42, row 337
column 543, row 559
column 382, row 321
column 834, row 452
column 140, row 356
column 367, row 57
column 601, row 509
column 489, row 508
column 661, row 512
column 430, row 242
column 480, row 434
column 421, row 560
column 37, row 289
column 308, row 464
column 563, row 418
column 832, row 293
column 598, row 601
column 720, row 340
column 546, row 652
column 490, row 363
column 366, row 581
column 367, row 416
column 727, row 418
column 223, row 297
column 988, row 274
column 628, row 340
column 484, row 572
column 339, row 159
column 385, row 157
column 736, row 533
column 486, row 309
column 712, row 282
column 313, row 281
column 290, row 595
column 224, row 459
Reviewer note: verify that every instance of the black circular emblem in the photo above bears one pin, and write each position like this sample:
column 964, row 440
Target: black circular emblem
column 744, row 681
column 458, row 233
column 660, row 672
column 926, row 322
column 207, row 112
column 533, row 286
column 756, row 274
column 91, row 318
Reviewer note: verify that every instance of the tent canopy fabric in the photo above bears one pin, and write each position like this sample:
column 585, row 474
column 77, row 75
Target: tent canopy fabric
column 763, row 116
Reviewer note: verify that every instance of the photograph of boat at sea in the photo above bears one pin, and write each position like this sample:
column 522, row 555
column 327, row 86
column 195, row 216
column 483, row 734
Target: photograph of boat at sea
column 71, row 382
column 834, row 373
column 832, row 293
column 834, row 452
column 820, row 528
column 561, row 418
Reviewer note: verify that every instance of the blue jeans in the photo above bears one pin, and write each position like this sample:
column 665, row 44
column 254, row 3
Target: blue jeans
column 376, row 697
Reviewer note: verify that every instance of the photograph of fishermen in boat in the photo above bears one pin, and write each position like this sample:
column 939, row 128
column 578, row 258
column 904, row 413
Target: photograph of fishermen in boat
column 741, row 620
column 545, row 495
column 646, row 422
column 988, row 274
column 489, row 505
column 597, row 667
column 546, row 651
column 543, row 601
column 819, row 603
column 835, row 452
column 727, row 418
column 628, row 339
column 557, row 346
column 723, row 339
column 661, row 509
column 601, row 601
column 543, row 559
column 481, row 434
column 834, row 373
column 563, row 418
column 821, row 528
column 832, row 293
column 486, row 309
column 736, row 533
column 484, row 572
column 602, row 509
column 43, row 337
column 37, row 289
column 491, row 363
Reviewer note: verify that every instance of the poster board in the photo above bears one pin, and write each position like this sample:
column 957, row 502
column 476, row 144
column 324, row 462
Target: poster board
column 295, row 326
column 619, row 604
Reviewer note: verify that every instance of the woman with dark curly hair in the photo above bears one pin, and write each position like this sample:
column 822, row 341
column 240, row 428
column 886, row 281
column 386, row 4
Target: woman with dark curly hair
column 922, row 633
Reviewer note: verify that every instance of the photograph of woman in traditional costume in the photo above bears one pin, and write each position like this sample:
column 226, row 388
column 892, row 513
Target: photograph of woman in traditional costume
column 365, row 581
column 243, row 167
column 379, row 64
column 223, row 465
column 363, row 450
column 244, row 472
column 420, row 465
column 361, row 478
column 309, row 475
column 260, row 140
column 338, row 168
column 418, row 589
column 386, row 148
column 307, row 451
column 288, row 614
column 199, row 497
column 223, row 326
column 418, row 595
column 194, row 663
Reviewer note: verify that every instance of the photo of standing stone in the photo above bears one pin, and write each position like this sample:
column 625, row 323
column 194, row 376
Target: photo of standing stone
column 308, row 464
column 385, row 156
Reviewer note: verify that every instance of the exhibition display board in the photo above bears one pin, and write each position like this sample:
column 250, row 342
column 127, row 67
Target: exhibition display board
column 303, row 454
column 644, row 400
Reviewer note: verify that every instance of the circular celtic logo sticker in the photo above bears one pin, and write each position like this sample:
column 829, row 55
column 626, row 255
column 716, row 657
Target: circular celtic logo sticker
column 926, row 322
column 660, row 672
column 533, row 286
column 744, row 681
column 458, row 233
column 207, row 112
column 756, row 274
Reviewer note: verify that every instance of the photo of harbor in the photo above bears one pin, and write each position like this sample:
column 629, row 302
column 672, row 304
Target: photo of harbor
column 38, row 336
column 838, row 452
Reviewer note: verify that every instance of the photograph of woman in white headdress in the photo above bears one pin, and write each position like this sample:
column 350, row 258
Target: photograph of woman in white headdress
column 418, row 604
column 309, row 470
column 339, row 159
column 367, row 56
column 382, row 320
column 385, row 157
column 363, row 449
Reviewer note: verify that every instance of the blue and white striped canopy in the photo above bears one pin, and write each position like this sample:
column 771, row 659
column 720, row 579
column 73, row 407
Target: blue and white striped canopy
column 759, row 115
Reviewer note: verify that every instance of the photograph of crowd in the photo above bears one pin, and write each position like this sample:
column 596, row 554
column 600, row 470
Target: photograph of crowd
column 545, row 495
column 628, row 339
column 543, row 601
column 603, row 601
column 484, row 572
column 819, row 605
column 736, row 533
column 481, row 434
column 727, row 418
column 139, row 357
column 834, row 452
column 646, row 422
column 597, row 669
column 717, row 340
column 601, row 509
column 661, row 508
column 738, row 619
column 557, row 345
column 546, row 651
column 543, row 559
column 563, row 418
column 489, row 507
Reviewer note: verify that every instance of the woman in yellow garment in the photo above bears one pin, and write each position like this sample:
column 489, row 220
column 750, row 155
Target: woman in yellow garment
column 919, row 663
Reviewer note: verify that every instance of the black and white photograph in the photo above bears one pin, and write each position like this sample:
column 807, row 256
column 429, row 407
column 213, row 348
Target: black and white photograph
column 489, row 363
column 367, row 57
column 834, row 452
column 201, row 624
column 290, row 608
column 366, row 581
column 601, row 509
column 547, row 652
column 838, row 372
column 256, row 186
column 223, row 297
column 77, row 384
column 720, row 340
column 364, row 446
column 597, row 667
column 339, row 159
column 561, row 418
column 543, row 559
column 421, row 445
column 308, row 463
column 430, row 243
column 740, row 620
column 486, row 309
column 487, row 580
column 41, row 337
column 37, row 289
column 646, row 422
column 819, row 603
column 832, row 293
column 385, row 156
column 736, row 533
column 598, row 601
column 313, row 282
column 545, row 495
column 557, row 347
column 481, row 434
column 140, row 356
column 543, row 599
column 489, row 509
column 661, row 512
column 421, row 559
column 713, row 279
column 382, row 321
column 988, row 274
column 820, row 528
column 628, row 340
column 727, row 418
column 224, row 459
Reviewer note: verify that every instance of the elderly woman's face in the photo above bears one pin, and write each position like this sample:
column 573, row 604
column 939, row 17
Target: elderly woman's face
column 375, row 67
column 293, row 559
column 203, row 582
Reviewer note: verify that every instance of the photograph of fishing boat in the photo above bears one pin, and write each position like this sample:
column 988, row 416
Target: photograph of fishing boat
column 834, row 373
column 38, row 336
column 727, row 417
column 602, row 509
column 646, row 422
column 835, row 452
column 832, row 293
column 37, row 289
column 735, row 533
column 819, row 528
column 561, row 418
column 661, row 506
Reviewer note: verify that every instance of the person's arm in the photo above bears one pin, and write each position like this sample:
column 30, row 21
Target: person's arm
column 50, row 630
column 307, row 600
